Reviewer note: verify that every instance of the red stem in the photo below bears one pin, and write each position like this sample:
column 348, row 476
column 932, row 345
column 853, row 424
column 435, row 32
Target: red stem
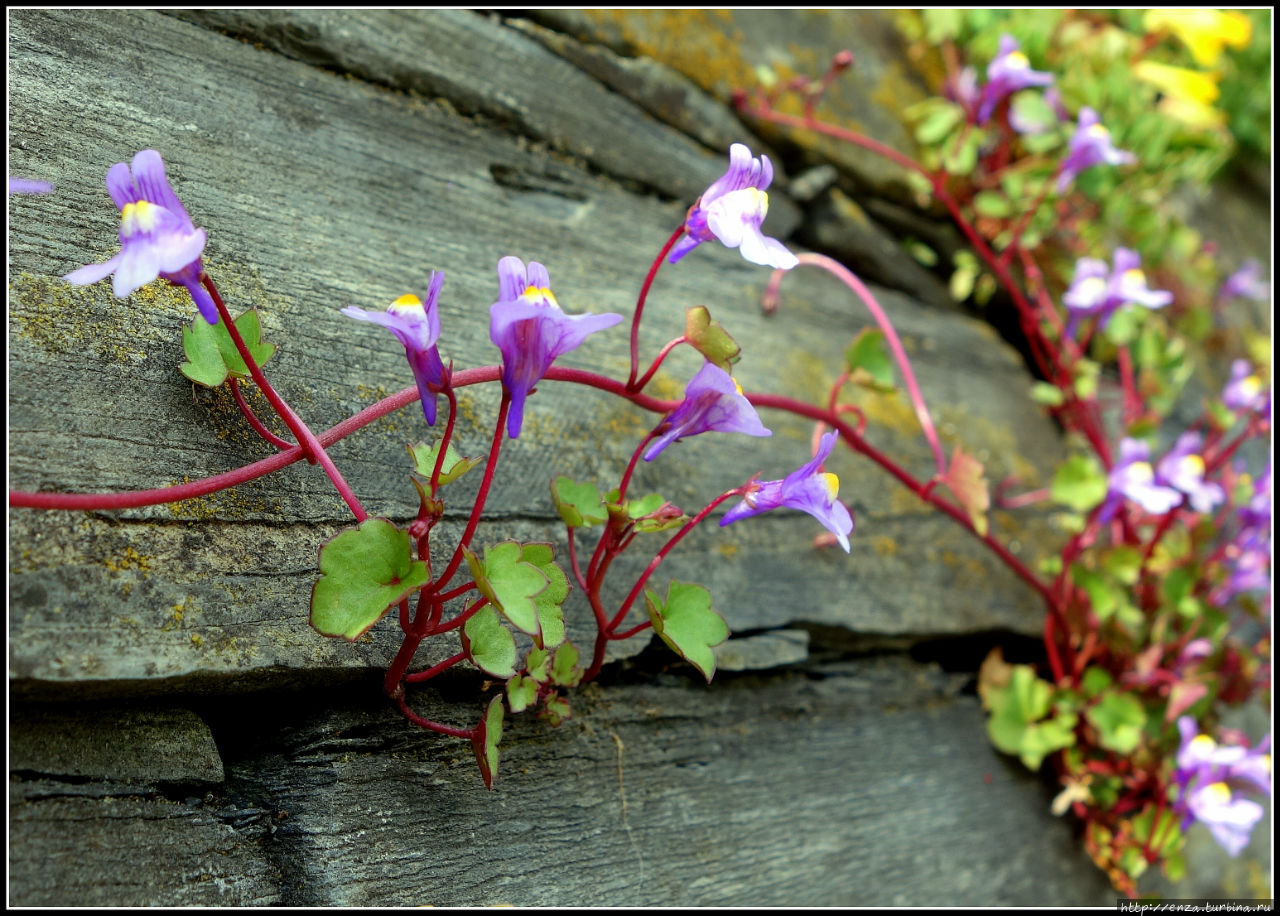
column 314, row 450
column 253, row 417
column 644, row 293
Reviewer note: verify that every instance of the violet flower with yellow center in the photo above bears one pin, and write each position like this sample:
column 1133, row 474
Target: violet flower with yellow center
column 732, row 211
column 1090, row 145
column 1211, row 777
column 806, row 489
column 1007, row 73
column 713, row 402
column 157, row 237
column 1183, row 469
column 528, row 326
column 1097, row 291
column 416, row 325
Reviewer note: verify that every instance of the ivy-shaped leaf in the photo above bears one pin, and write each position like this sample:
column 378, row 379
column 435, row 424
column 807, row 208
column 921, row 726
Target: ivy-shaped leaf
column 537, row 664
column 1017, row 709
column 364, row 572
column 489, row 644
column 868, row 361
column 1119, row 719
column 966, row 478
column 579, row 504
column 556, row 710
column 710, row 339
column 485, row 741
column 686, row 623
column 550, row 599
column 522, row 692
column 212, row 354
column 565, row 671
column 509, row 583
column 1079, row 483
column 453, row 467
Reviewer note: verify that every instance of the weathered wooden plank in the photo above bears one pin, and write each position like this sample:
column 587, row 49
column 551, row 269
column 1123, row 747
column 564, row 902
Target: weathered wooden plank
column 307, row 183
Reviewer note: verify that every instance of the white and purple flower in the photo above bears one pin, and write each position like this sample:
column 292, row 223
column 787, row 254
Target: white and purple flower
column 528, row 326
column 1008, row 72
column 1183, row 469
column 713, row 402
column 1210, row 778
column 1134, row 478
column 1246, row 283
column 416, row 325
column 732, row 210
column 806, row 489
column 1098, row 290
column 1090, row 145
column 1244, row 391
column 157, row 237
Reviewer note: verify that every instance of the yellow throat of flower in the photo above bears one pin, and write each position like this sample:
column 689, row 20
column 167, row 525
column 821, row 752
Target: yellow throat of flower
column 832, row 483
column 537, row 293
column 137, row 217
column 406, row 305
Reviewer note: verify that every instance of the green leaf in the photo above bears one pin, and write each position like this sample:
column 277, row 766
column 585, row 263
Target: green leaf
column 538, row 664
column 637, row 508
column 556, row 710
column 1104, row 597
column 511, row 584
column 1079, row 483
column 992, row 204
column 565, row 671
column 938, row 123
column 212, row 354
column 686, row 623
column 1047, row 394
column 364, row 572
column 966, row 478
column 485, row 741
column 1016, row 709
column 868, row 361
column 522, row 692
column 1119, row 719
column 710, row 339
column 1122, row 564
column 1095, row 681
column 453, row 467
column 489, row 644
column 550, row 599
column 581, row 505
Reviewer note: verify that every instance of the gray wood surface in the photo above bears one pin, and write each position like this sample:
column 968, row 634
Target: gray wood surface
column 335, row 159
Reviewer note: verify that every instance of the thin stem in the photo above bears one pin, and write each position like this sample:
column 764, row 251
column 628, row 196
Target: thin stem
column 134, row 499
column 662, row 354
column 461, row 618
column 419, row 676
column 662, row 554
column 314, row 450
column 482, row 494
column 627, row 634
column 849, row 279
column 252, row 417
column 468, row 733
column 644, row 293
column 444, row 440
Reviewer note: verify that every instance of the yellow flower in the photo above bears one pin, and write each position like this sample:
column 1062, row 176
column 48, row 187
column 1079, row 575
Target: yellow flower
column 1203, row 31
column 1188, row 94
column 1189, row 85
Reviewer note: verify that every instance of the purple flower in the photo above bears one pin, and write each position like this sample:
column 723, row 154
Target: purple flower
column 28, row 186
column 1210, row 777
column 1098, row 291
column 733, row 210
column 806, row 489
column 417, row 326
column 527, row 325
column 1257, row 513
column 1245, row 390
column 1183, row 469
column 1006, row 74
column 713, row 402
column 157, row 238
column 1134, row 478
column 1090, row 145
column 1246, row 282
